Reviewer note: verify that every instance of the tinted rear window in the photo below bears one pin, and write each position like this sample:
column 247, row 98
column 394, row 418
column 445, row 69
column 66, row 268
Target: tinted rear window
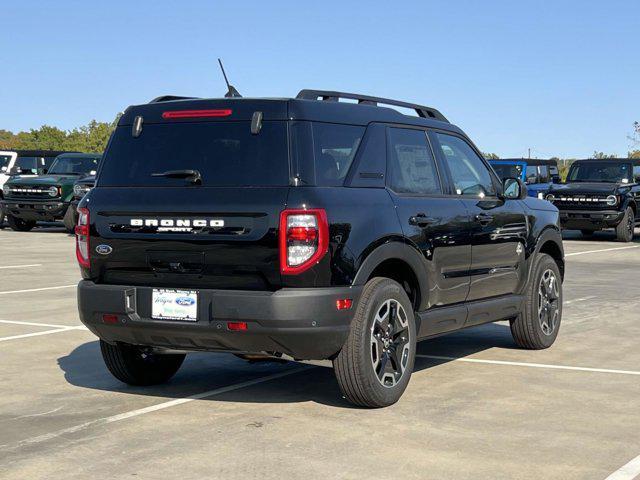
column 225, row 154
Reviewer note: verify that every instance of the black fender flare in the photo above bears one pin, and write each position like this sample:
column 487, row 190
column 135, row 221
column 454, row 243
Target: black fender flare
column 396, row 251
column 549, row 234
column 628, row 201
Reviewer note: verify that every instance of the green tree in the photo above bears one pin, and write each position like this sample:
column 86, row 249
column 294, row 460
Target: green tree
column 92, row 137
column 490, row 156
column 602, row 155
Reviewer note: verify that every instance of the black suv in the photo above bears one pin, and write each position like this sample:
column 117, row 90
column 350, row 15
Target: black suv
column 600, row 194
column 306, row 228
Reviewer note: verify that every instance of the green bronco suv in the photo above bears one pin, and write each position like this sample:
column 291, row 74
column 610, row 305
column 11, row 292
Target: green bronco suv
column 47, row 197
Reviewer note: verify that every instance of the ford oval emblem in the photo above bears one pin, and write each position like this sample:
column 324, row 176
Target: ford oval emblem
column 104, row 249
column 185, row 301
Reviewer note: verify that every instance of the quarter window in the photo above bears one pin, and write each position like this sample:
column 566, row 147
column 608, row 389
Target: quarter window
column 411, row 164
column 469, row 173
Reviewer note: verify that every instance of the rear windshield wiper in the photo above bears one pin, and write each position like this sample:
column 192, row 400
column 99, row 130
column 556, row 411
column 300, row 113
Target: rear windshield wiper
column 191, row 175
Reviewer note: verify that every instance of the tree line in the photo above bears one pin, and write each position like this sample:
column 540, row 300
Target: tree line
column 90, row 138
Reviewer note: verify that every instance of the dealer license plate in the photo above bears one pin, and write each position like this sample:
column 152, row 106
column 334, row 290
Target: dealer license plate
column 170, row 304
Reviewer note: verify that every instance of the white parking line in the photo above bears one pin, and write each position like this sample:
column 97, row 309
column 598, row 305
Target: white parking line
column 602, row 250
column 532, row 365
column 21, row 266
column 627, row 472
column 581, row 299
column 152, row 408
column 37, row 334
column 33, row 324
column 38, row 289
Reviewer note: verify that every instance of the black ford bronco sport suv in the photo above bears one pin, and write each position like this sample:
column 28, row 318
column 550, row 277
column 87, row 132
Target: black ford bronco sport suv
column 600, row 194
column 306, row 228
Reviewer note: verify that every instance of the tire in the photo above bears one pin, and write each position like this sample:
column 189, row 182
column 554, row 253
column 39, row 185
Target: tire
column 20, row 225
column 624, row 230
column 131, row 365
column 70, row 219
column 536, row 328
column 1, row 216
column 367, row 382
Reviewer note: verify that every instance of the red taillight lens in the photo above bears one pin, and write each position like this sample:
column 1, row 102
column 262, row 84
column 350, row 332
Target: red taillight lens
column 225, row 112
column 237, row 326
column 344, row 304
column 304, row 239
column 109, row 318
column 82, row 238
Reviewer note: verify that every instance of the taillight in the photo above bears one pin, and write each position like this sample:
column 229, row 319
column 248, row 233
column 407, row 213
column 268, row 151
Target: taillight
column 304, row 239
column 82, row 237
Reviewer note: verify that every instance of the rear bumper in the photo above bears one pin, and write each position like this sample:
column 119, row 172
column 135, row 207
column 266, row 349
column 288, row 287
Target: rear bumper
column 38, row 210
column 589, row 219
column 302, row 323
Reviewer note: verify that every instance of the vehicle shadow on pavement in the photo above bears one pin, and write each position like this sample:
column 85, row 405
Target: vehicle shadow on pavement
column 202, row 372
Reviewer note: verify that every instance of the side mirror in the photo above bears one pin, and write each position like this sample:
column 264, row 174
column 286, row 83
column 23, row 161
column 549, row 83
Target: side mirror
column 556, row 180
column 44, row 171
column 514, row 189
column 15, row 171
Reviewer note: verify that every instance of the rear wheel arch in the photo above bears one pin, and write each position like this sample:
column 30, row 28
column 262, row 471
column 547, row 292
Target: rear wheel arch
column 400, row 262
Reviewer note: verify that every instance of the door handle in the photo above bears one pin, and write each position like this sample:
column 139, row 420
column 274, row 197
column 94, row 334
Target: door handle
column 484, row 218
column 420, row 220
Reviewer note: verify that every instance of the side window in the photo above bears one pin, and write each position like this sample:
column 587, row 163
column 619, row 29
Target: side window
column 335, row 148
column 636, row 173
column 412, row 168
column 469, row 173
column 544, row 174
column 532, row 174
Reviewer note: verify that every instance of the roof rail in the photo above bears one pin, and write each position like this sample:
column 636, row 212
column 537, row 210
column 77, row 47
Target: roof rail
column 169, row 98
column 421, row 110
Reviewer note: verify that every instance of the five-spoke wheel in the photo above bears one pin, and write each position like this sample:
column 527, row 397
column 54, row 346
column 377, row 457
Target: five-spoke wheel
column 390, row 340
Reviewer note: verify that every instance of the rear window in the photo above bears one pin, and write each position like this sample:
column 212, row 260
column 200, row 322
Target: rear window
column 225, row 154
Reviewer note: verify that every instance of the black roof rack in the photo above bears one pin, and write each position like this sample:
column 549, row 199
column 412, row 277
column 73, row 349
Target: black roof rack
column 169, row 98
column 421, row 110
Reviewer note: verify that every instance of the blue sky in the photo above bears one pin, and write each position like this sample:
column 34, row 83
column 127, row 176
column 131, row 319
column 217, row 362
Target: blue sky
column 561, row 78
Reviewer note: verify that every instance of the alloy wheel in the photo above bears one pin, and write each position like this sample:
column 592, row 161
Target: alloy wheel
column 390, row 343
column 548, row 302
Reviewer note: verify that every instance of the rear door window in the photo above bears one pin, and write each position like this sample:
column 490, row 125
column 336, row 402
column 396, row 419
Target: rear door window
column 225, row 154
column 412, row 168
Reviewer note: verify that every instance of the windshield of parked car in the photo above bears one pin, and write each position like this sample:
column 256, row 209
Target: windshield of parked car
column 74, row 165
column 507, row 171
column 609, row 172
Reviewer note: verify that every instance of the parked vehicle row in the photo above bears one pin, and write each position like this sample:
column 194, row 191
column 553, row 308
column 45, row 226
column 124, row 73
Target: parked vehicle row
column 42, row 188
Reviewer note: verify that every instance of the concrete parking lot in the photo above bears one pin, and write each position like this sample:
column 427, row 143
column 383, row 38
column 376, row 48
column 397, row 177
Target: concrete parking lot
column 477, row 407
